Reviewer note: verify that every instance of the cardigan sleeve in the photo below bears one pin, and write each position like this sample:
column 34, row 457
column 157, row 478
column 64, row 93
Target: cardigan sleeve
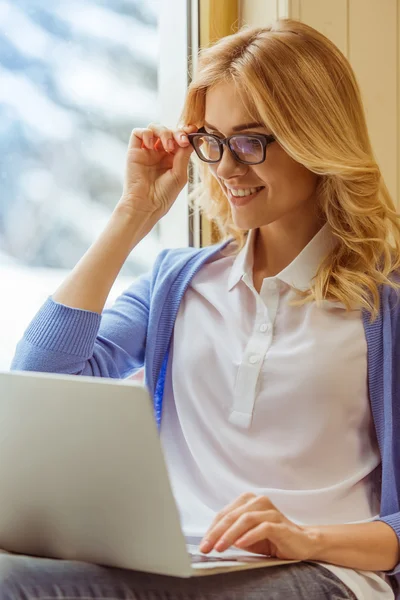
column 394, row 521
column 66, row 340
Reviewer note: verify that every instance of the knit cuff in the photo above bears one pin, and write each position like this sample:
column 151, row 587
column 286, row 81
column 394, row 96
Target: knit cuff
column 64, row 329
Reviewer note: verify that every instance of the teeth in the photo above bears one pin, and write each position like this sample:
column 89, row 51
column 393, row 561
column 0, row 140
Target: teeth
column 243, row 192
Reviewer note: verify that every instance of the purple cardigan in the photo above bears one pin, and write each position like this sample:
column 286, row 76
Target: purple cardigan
column 137, row 331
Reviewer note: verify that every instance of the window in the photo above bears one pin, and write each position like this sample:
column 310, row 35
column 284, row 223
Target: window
column 75, row 77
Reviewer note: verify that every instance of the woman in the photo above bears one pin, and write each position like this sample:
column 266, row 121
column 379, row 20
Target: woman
column 265, row 351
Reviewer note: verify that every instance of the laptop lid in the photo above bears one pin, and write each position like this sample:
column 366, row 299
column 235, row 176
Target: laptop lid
column 83, row 474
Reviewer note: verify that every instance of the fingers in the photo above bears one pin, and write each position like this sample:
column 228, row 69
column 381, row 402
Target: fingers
column 244, row 524
column 265, row 531
column 240, row 501
column 157, row 137
column 219, row 523
column 226, row 519
column 148, row 139
column 181, row 161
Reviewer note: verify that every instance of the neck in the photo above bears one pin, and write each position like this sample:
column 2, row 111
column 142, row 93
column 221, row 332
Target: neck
column 277, row 244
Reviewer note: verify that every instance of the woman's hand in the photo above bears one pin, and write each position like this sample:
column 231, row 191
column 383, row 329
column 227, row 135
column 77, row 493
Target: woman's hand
column 254, row 524
column 156, row 169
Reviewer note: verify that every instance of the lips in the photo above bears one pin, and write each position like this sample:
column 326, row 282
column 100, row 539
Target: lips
column 242, row 200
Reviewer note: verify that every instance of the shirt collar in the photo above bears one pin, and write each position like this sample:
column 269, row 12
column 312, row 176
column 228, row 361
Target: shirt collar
column 243, row 263
column 299, row 273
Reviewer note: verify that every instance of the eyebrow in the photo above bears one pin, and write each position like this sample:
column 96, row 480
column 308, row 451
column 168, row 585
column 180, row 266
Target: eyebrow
column 238, row 127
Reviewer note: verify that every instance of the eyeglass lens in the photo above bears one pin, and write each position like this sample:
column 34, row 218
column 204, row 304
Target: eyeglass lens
column 208, row 147
column 246, row 148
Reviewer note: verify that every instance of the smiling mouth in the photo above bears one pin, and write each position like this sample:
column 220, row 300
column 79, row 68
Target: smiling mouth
column 242, row 200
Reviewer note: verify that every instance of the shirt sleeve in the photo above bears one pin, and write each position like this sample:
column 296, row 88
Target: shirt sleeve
column 66, row 340
column 394, row 521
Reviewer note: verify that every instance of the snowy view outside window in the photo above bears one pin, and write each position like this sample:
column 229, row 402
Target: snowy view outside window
column 75, row 78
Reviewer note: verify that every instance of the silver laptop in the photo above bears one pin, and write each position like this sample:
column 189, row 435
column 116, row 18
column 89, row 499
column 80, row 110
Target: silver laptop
column 83, row 477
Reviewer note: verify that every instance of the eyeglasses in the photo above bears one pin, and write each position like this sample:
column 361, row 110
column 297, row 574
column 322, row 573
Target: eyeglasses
column 248, row 149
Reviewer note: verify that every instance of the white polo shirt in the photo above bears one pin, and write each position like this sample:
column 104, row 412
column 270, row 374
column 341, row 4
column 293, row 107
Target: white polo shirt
column 269, row 398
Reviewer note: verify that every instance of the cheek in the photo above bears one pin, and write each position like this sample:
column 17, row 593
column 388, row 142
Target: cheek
column 303, row 181
column 283, row 174
column 213, row 170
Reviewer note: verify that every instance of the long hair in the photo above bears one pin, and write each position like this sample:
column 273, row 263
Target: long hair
column 298, row 83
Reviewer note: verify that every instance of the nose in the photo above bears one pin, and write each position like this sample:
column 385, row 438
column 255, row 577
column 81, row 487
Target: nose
column 228, row 166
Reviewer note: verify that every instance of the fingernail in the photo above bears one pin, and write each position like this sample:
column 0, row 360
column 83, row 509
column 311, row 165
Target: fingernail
column 184, row 138
column 170, row 145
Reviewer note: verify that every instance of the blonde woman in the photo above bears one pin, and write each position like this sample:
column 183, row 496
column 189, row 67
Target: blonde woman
column 271, row 356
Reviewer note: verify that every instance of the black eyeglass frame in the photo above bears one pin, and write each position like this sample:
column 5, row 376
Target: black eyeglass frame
column 265, row 140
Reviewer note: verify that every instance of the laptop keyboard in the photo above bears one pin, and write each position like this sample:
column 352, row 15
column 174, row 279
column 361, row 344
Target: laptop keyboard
column 203, row 558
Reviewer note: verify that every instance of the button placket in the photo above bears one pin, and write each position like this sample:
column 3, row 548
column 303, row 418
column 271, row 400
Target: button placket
column 254, row 355
column 247, row 377
column 263, row 323
column 254, row 359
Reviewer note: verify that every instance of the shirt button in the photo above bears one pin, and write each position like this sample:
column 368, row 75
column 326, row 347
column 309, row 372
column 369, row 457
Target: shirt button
column 254, row 359
column 264, row 327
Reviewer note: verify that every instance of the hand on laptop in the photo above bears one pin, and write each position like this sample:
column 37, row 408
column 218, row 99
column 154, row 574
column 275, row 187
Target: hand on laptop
column 254, row 524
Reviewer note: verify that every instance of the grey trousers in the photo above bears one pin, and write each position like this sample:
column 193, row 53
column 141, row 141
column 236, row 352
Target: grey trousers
column 26, row 578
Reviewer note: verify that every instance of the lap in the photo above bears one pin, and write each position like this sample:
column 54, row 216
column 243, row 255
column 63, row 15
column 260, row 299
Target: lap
column 28, row 578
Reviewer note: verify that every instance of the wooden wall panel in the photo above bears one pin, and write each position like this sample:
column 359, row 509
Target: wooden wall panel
column 259, row 12
column 373, row 36
column 328, row 16
column 216, row 18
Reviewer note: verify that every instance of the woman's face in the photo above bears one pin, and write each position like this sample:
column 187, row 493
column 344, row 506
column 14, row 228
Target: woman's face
column 288, row 192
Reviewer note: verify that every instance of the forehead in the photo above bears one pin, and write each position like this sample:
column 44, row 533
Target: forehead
column 225, row 107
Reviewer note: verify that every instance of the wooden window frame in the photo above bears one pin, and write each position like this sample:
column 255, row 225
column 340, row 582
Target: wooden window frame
column 209, row 20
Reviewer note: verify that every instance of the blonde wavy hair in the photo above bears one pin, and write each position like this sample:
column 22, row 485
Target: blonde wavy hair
column 297, row 82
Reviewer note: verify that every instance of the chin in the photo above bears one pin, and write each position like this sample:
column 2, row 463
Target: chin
column 253, row 214
column 250, row 221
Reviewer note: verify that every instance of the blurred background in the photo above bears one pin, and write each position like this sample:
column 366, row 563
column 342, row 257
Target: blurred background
column 75, row 78
column 77, row 75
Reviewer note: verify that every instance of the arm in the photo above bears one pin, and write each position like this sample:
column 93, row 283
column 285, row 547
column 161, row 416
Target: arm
column 61, row 339
column 88, row 285
column 253, row 523
column 370, row 546
column 68, row 335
